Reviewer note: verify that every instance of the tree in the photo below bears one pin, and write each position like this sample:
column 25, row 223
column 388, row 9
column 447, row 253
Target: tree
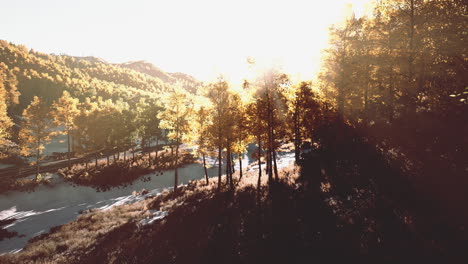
column 218, row 94
column 5, row 124
column 148, row 124
column 64, row 114
column 241, row 135
column 36, row 129
column 271, row 110
column 88, row 132
column 303, row 110
column 8, row 97
column 198, row 135
column 175, row 117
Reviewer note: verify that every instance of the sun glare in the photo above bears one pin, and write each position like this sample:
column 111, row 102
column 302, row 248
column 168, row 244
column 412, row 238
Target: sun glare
column 204, row 38
column 289, row 36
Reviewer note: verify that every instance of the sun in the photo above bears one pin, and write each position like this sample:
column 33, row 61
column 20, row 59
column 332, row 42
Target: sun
column 290, row 36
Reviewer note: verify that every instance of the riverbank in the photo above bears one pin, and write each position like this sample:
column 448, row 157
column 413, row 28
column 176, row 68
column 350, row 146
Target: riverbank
column 79, row 240
column 122, row 172
column 24, row 184
column 60, row 202
column 306, row 216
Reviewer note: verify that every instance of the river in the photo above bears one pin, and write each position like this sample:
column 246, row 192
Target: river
column 60, row 202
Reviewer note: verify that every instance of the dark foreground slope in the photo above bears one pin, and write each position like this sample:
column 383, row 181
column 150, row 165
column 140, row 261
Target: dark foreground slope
column 315, row 214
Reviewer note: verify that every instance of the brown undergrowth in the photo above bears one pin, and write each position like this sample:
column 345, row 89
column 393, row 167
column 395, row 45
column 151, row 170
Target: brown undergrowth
column 24, row 184
column 79, row 241
column 121, row 172
column 304, row 217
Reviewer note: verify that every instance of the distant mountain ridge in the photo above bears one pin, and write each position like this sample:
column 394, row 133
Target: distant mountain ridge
column 48, row 75
column 150, row 69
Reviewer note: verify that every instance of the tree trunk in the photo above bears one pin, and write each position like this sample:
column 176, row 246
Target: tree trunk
column 366, row 93
column 204, row 167
column 96, row 161
column 172, row 153
column 176, row 175
column 390, row 96
column 219, row 168
column 156, row 154
column 149, row 153
column 274, row 165
column 297, row 138
column 228, row 166
column 341, row 82
column 259, row 182
column 125, row 155
column 240, row 167
column 269, row 166
column 68, row 153
column 269, row 138
column 411, row 108
column 37, row 162
column 233, row 164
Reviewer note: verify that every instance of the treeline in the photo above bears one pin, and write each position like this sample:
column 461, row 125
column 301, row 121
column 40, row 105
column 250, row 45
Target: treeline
column 25, row 74
column 400, row 78
column 218, row 119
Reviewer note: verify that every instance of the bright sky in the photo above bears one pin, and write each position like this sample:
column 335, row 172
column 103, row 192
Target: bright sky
column 199, row 37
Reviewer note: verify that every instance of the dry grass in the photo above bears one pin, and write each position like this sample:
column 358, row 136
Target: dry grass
column 302, row 218
column 69, row 242
column 77, row 237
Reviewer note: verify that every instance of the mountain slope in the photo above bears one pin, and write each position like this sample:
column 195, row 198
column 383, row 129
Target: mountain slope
column 48, row 75
column 187, row 81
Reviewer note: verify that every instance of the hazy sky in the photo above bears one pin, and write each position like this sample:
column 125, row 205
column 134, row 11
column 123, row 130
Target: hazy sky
column 199, row 37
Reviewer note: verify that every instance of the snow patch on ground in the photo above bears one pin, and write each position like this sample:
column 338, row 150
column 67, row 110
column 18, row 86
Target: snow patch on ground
column 155, row 215
column 129, row 199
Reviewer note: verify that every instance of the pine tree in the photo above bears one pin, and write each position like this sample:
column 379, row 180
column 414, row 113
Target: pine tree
column 175, row 117
column 64, row 114
column 198, row 136
column 218, row 94
column 36, row 129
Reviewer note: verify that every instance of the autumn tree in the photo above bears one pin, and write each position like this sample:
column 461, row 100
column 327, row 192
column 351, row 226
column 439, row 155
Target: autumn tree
column 148, row 124
column 240, row 130
column 399, row 77
column 272, row 110
column 88, row 131
column 8, row 97
column 65, row 111
column 5, row 124
column 303, row 109
column 218, row 94
column 199, row 136
column 36, row 129
column 175, row 117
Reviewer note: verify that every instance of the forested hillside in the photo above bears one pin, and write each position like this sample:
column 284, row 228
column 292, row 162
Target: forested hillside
column 28, row 73
column 189, row 82
column 34, row 73
column 400, row 79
